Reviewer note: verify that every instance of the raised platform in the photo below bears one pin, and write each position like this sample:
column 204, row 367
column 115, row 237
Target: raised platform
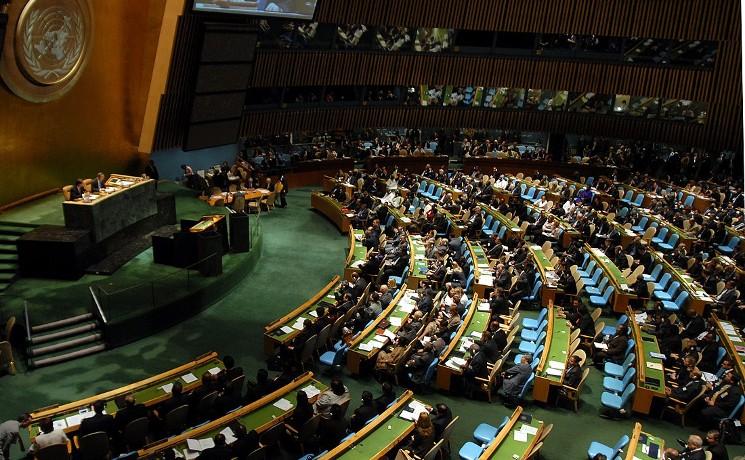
column 138, row 299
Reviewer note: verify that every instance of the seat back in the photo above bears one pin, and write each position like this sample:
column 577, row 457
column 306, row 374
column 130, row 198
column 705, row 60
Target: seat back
column 689, row 201
column 528, row 383
column 603, row 284
column 94, row 446
column 649, row 232
column 733, row 242
column 323, row 337
column 643, row 222
column 542, row 315
column 271, row 436
column 488, row 220
column 630, row 374
column 536, row 290
column 627, row 393
column 737, row 408
column 681, row 299
column 661, row 235
column 621, row 444
column 608, row 292
column 53, row 452
column 629, row 195
column 204, row 407
column 721, row 352
column 431, row 371
column 639, row 199
column 432, row 453
column 175, row 420
column 673, row 241
column 673, row 288
column 656, row 272
column 664, row 280
column 629, row 361
column 448, row 430
column 629, row 346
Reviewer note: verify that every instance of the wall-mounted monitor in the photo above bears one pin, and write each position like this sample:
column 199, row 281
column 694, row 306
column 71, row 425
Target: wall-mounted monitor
column 297, row 9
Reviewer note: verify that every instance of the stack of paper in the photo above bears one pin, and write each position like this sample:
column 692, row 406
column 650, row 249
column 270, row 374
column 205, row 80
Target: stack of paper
column 311, row 391
column 476, row 334
column 484, row 306
column 486, row 280
column 189, row 378
column 395, row 321
column 366, row 347
column 298, row 324
column 286, row 329
column 229, row 435
column 283, row 404
column 556, row 365
column 198, row 445
column 554, row 372
column 656, row 366
column 389, row 334
column 458, row 362
column 358, row 263
column 215, row 370
column 167, row 387
column 376, row 344
column 407, row 308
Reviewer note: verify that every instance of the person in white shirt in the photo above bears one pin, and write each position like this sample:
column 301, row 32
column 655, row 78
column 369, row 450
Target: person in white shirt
column 48, row 436
column 568, row 207
column 337, row 393
column 543, row 204
column 10, row 434
column 501, row 183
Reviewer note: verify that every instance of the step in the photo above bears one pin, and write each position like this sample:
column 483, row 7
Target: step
column 4, row 286
column 81, row 351
column 75, row 330
column 8, row 229
column 62, row 323
column 8, row 267
column 65, row 344
column 7, row 277
column 8, row 239
column 6, row 248
column 9, row 258
column 20, row 225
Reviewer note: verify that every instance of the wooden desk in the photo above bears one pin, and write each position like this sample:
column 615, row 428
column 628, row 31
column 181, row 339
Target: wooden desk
column 640, row 442
column 472, row 328
column 332, row 209
column 700, row 202
column 649, row 197
column 505, row 447
column 377, row 438
column 456, row 227
column 397, row 312
column 734, row 342
column 698, row 298
column 556, row 351
column 623, row 291
column 483, row 274
column 418, row 262
column 125, row 201
column 260, row 415
column 357, row 253
column 512, row 227
column 147, row 392
column 281, row 331
column 646, row 390
column 445, row 187
column 548, row 274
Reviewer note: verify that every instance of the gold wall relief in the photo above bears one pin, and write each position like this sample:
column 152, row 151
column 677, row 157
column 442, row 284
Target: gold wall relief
column 46, row 48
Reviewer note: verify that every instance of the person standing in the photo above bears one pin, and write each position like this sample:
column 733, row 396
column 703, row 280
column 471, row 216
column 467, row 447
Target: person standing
column 10, row 434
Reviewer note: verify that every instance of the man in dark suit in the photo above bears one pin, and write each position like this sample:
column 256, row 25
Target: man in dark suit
column 99, row 422
column 727, row 298
column 99, row 183
column 131, row 411
column 231, row 371
column 177, row 399
column 77, row 190
column 720, row 401
column 476, row 367
column 441, row 418
column 687, row 392
column 616, row 351
column 363, row 413
column 573, row 372
column 388, row 396
column 333, row 429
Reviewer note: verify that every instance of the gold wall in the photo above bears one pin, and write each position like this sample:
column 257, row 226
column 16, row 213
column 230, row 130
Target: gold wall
column 96, row 126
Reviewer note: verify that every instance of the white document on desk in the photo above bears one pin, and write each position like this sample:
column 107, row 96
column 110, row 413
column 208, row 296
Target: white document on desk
column 286, row 329
column 529, row 429
column 188, row 378
column 229, row 435
column 167, row 387
column 283, row 404
column 521, row 436
column 311, row 391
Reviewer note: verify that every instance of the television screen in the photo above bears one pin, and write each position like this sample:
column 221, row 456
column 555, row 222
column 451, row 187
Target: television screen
column 297, row 9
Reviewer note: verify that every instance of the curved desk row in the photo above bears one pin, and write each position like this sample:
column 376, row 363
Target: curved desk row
column 282, row 330
column 260, row 415
column 623, row 291
column 650, row 371
column 698, row 298
column 550, row 370
column 149, row 392
column 453, row 359
column 642, row 445
column 734, row 342
column 357, row 253
column 548, row 274
column 506, row 446
column 382, row 434
column 332, row 209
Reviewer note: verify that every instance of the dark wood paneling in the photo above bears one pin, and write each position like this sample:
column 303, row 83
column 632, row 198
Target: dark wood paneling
column 514, row 166
column 413, row 164
column 278, row 121
column 319, row 68
column 689, row 19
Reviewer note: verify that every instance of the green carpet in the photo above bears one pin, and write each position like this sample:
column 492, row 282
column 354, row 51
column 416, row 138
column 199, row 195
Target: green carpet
column 302, row 251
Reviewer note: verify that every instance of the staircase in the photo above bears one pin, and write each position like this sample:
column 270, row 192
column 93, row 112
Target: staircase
column 9, row 234
column 65, row 339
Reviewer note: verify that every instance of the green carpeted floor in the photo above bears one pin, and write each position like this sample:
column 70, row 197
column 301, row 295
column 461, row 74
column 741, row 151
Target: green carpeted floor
column 301, row 252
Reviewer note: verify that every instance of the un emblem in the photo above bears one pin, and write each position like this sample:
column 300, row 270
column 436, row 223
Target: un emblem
column 50, row 45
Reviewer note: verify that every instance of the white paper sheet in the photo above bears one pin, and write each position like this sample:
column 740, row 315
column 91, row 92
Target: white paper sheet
column 286, row 329
column 521, row 436
column 167, row 387
column 215, row 370
column 529, row 429
column 283, row 404
column 366, row 347
column 311, row 391
column 229, row 435
column 188, row 378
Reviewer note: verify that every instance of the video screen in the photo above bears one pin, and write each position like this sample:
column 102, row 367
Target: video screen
column 296, row 9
